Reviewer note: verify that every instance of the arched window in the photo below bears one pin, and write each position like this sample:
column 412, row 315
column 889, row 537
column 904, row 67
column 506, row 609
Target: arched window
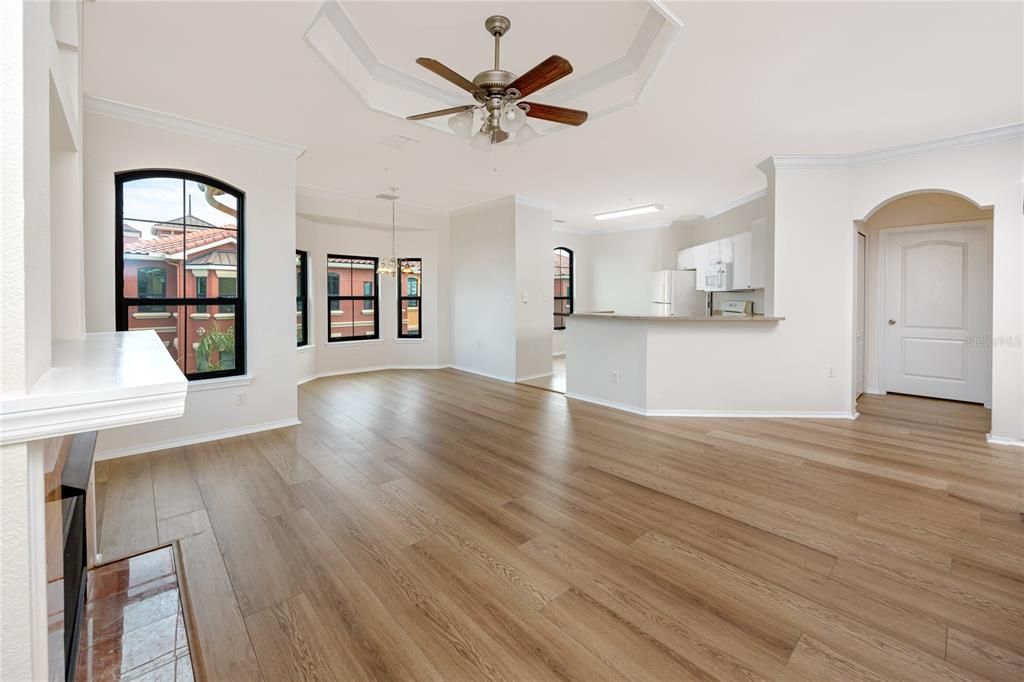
column 179, row 262
column 563, row 285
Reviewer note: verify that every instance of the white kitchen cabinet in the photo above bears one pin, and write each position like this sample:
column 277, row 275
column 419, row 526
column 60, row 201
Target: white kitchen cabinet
column 707, row 254
column 724, row 251
column 747, row 252
column 741, row 271
column 759, row 253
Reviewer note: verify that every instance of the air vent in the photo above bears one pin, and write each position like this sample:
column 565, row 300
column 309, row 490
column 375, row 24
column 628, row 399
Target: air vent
column 399, row 141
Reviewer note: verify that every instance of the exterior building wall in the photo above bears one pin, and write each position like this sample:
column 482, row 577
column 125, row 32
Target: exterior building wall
column 174, row 323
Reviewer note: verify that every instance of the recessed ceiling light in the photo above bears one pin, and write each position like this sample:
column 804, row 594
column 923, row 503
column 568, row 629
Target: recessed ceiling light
column 626, row 212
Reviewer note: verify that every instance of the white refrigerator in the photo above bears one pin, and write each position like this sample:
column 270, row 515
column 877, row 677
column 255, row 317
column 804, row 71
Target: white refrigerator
column 675, row 293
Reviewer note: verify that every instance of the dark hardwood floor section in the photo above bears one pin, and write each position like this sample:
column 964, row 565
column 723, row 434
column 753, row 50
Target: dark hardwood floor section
column 438, row 525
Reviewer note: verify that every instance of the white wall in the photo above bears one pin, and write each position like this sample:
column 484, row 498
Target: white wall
column 39, row 132
column 621, row 264
column 534, row 272
column 989, row 173
column 483, row 281
column 267, row 176
column 687, row 233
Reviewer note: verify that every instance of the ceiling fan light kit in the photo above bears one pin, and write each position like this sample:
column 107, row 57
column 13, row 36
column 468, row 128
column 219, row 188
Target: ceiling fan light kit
column 498, row 94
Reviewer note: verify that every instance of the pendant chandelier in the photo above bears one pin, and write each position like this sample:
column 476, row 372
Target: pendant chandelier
column 388, row 265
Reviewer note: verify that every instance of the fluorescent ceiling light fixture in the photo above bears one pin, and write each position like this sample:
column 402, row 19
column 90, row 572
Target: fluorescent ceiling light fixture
column 626, row 212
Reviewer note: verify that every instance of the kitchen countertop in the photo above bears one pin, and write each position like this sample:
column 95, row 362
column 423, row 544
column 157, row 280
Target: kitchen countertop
column 679, row 318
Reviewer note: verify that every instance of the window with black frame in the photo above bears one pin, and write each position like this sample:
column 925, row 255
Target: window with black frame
column 179, row 260
column 410, row 298
column 301, row 298
column 352, row 297
column 563, row 285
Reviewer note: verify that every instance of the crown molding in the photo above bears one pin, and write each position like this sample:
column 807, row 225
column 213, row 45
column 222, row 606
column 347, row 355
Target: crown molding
column 160, row 119
column 736, row 203
column 469, row 208
column 535, row 203
column 971, row 139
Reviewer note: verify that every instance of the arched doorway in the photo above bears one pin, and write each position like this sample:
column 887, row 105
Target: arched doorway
column 924, row 297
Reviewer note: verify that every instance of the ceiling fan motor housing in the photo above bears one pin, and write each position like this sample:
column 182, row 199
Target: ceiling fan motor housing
column 497, row 25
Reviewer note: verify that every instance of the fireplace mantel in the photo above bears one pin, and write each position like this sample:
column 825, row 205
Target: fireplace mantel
column 97, row 382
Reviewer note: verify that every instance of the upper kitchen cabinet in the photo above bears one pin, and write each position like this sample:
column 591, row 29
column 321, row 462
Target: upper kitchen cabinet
column 759, row 254
column 747, row 252
column 741, row 261
column 686, row 259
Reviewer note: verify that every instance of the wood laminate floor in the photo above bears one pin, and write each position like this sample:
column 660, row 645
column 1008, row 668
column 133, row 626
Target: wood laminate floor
column 436, row 525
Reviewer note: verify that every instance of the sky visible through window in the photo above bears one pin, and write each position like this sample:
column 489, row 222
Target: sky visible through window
column 153, row 200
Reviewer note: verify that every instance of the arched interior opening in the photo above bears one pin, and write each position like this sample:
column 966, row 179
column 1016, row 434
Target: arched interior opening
column 923, row 297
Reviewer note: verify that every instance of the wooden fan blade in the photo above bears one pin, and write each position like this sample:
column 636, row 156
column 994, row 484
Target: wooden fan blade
column 499, row 136
column 542, row 75
column 442, row 112
column 444, row 72
column 571, row 117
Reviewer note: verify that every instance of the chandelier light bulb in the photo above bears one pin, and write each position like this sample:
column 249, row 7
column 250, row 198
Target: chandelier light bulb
column 462, row 124
column 513, row 118
column 525, row 134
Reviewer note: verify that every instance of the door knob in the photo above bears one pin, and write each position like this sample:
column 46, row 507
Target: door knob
column 892, row 322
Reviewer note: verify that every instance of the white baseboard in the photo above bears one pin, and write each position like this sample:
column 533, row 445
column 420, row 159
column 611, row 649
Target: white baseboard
column 608, row 403
column 484, row 374
column 715, row 414
column 534, row 376
column 1000, row 440
column 361, row 370
column 192, row 440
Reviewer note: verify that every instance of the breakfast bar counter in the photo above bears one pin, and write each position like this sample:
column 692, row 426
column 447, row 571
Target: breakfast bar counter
column 699, row 365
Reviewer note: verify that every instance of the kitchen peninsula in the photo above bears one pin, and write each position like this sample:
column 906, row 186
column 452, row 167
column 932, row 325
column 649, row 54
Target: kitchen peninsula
column 659, row 365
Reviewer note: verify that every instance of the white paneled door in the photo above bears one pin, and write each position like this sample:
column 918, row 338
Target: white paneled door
column 937, row 320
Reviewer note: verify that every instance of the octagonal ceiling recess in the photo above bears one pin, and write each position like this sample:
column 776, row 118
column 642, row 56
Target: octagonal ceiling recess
column 615, row 48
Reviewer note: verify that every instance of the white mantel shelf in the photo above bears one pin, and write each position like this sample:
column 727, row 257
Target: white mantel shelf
column 100, row 381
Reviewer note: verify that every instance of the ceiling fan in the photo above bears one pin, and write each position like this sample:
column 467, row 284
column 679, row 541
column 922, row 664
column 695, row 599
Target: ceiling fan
column 498, row 94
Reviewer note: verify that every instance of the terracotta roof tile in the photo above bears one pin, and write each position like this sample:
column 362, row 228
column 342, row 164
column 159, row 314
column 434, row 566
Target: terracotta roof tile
column 193, row 240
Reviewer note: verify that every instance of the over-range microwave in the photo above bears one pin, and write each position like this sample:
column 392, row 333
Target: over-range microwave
column 717, row 277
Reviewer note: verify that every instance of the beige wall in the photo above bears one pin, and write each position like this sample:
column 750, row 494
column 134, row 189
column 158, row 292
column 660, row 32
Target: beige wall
column 927, row 208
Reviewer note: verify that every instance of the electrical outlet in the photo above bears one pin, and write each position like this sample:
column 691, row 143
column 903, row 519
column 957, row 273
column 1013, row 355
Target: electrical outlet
column 831, row 372
column 240, row 398
column 615, row 377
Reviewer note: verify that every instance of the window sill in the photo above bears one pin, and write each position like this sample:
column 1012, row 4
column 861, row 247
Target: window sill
column 222, row 382
column 355, row 342
column 305, row 349
column 367, row 311
column 419, row 340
